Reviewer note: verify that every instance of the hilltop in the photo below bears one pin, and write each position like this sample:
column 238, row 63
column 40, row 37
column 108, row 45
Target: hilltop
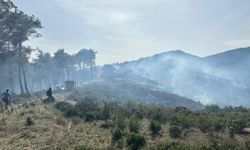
column 219, row 79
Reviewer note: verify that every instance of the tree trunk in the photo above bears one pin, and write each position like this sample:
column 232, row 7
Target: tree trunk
column 91, row 72
column 83, row 74
column 20, row 69
column 20, row 78
column 25, row 81
column 67, row 73
column 11, row 85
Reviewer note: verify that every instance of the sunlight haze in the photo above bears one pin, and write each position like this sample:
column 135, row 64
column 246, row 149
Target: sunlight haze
column 127, row 30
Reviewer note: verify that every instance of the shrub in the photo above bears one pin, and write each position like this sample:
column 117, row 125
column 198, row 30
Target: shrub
column 225, row 144
column 174, row 146
column 136, row 141
column 106, row 112
column 134, row 125
column 116, row 134
column 49, row 100
column 175, row 131
column 32, row 104
column 181, row 119
column 87, row 110
column 90, row 116
column 29, row 121
column 63, row 106
column 155, row 127
column 159, row 115
column 247, row 143
column 120, row 121
column 238, row 125
column 204, row 124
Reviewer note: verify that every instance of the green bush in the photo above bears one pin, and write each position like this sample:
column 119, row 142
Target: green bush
column 106, row 112
column 136, row 141
column 247, row 143
column 63, row 106
column 120, row 121
column 116, row 134
column 155, row 127
column 29, row 121
column 204, row 123
column 87, row 109
column 174, row 146
column 175, row 131
column 133, row 124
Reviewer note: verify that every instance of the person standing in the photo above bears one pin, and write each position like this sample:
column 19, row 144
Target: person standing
column 49, row 94
column 6, row 98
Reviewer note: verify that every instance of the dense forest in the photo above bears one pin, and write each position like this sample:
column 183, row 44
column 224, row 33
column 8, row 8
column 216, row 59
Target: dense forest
column 23, row 74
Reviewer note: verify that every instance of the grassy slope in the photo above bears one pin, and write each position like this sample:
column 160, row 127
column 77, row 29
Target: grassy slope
column 50, row 130
column 53, row 131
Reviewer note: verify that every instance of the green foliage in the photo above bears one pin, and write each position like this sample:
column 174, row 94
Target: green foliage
column 225, row 144
column 120, row 120
column 204, row 123
column 158, row 114
column 133, row 124
column 49, row 100
column 87, row 109
column 212, row 108
column 106, row 112
column 238, row 125
column 136, row 141
column 29, row 121
column 175, row 131
column 247, row 143
column 174, row 146
column 212, row 120
column 116, row 134
column 63, row 106
column 154, row 127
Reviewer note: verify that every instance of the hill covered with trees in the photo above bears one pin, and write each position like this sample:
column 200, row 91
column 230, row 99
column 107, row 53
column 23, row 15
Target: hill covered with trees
column 219, row 79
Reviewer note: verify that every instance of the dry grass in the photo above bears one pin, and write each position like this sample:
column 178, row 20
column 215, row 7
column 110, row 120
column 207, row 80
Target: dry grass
column 50, row 130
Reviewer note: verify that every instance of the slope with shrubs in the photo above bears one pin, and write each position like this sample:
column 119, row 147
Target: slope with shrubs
column 96, row 124
column 115, row 90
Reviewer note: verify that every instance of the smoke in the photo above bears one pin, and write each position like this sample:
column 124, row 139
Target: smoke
column 198, row 78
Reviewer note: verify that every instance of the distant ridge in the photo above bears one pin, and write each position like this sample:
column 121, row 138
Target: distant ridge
column 221, row 79
column 231, row 57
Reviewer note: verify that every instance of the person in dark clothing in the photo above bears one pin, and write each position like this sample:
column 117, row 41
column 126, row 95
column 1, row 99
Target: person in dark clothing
column 6, row 98
column 49, row 94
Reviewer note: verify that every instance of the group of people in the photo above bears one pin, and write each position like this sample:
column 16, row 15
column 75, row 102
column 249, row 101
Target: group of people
column 6, row 97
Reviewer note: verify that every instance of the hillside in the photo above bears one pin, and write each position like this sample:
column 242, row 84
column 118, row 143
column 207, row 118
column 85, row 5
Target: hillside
column 231, row 58
column 201, row 79
column 123, row 91
column 35, row 125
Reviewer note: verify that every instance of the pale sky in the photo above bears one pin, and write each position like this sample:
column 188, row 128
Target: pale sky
column 123, row 30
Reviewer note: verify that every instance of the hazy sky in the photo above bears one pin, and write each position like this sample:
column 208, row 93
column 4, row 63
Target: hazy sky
column 129, row 29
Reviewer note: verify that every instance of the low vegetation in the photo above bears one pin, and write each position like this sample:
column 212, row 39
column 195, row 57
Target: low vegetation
column 95, row 124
